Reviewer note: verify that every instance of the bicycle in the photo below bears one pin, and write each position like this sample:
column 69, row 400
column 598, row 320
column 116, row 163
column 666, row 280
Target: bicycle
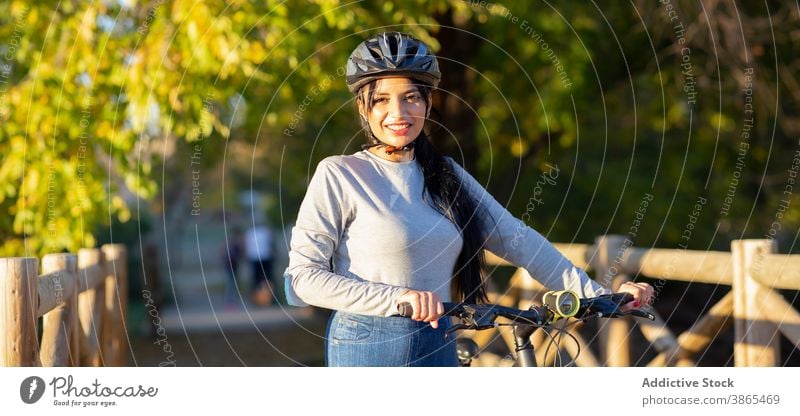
column 557, row 306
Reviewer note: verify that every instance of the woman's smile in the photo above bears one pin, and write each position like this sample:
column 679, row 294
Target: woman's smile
column 399, row 129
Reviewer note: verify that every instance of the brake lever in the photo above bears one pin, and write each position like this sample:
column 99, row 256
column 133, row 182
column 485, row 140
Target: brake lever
column 640, row 313
column 457, row 327
column 633, row 312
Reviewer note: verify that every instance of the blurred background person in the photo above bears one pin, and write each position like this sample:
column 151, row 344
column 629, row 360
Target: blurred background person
column 232, row 253
column 258, row 246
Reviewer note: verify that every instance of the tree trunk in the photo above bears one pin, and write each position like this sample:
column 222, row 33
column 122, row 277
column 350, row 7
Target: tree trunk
column 456, row 101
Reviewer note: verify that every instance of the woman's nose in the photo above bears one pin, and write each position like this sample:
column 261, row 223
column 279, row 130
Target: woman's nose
column 396, row 108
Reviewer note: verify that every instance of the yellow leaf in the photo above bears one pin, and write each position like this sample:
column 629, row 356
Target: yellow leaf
column 124, row 215
column 117, row 202
column 518, row 148
column 89, row 240
column 191, row 30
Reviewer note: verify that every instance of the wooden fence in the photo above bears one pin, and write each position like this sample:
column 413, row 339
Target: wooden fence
column 82, row 300
column 758, row 314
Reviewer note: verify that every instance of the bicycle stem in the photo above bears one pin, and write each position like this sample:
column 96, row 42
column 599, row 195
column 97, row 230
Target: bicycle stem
column 523, row 345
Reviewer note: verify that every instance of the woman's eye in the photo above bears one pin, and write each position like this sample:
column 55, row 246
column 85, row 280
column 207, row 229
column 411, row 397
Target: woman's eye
column 381, row 100
column 412, row 98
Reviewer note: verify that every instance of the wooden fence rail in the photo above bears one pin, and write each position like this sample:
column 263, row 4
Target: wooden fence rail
column 82, row 300
column 758, row 314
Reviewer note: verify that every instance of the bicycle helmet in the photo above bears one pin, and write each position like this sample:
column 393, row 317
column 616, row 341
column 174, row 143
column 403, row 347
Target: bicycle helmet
column 391, row 54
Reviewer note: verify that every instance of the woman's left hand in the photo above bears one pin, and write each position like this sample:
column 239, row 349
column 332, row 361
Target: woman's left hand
column 642, row 294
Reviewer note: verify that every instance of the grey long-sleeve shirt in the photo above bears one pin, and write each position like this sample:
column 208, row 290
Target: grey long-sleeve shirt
column 364, row 235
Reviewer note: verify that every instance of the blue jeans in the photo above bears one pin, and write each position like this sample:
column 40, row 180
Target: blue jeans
column 373, row 341
column 262, row 273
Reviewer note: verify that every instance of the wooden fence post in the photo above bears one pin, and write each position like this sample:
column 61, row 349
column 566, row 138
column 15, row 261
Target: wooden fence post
column 19, row 346
column 91, row 304
column 614, row 334
column 757, row 340
column 115, row 334
column 60, row 325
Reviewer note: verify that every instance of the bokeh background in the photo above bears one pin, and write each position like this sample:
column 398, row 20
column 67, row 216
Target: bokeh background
column 165, row 124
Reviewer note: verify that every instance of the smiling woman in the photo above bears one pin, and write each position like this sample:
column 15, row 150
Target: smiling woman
column 400, row 223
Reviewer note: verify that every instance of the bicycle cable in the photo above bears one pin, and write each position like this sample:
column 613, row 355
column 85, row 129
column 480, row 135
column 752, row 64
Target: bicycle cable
column 552, row 341
column 561, row 331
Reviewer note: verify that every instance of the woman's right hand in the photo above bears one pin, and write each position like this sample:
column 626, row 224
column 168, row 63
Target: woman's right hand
column 426, row 306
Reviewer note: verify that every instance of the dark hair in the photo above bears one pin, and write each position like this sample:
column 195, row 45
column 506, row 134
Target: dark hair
column 448, row 196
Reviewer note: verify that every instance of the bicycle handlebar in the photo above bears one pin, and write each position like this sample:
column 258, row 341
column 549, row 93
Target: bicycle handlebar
column 480, row 317
column 533, row 316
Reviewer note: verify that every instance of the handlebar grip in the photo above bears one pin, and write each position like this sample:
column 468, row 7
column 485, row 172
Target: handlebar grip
column 623, row 298
column 405, row 309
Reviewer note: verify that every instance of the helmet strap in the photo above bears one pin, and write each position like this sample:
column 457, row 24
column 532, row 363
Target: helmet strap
column 389, row 149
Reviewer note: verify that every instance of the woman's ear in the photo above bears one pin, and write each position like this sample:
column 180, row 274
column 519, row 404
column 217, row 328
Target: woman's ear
column 430, row 105
column 361, row 111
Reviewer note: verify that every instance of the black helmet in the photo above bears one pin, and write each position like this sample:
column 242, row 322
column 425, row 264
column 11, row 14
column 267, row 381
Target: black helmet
column 391, row 53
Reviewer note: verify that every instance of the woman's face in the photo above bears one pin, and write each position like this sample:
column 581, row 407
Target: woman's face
column 398, row 112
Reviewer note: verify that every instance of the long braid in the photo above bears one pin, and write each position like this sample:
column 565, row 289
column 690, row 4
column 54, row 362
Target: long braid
column 452, row 201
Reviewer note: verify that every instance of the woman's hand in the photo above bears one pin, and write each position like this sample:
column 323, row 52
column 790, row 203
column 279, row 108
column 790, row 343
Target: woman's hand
column 642, row 295
column 426, row 306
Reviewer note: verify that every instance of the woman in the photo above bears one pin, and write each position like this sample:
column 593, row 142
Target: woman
column 397, row 222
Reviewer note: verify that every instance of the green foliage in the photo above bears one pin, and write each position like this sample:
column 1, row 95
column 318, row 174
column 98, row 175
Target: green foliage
column 101, row 102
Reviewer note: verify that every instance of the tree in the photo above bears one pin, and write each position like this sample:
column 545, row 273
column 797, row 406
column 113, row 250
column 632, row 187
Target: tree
column 106, row 105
